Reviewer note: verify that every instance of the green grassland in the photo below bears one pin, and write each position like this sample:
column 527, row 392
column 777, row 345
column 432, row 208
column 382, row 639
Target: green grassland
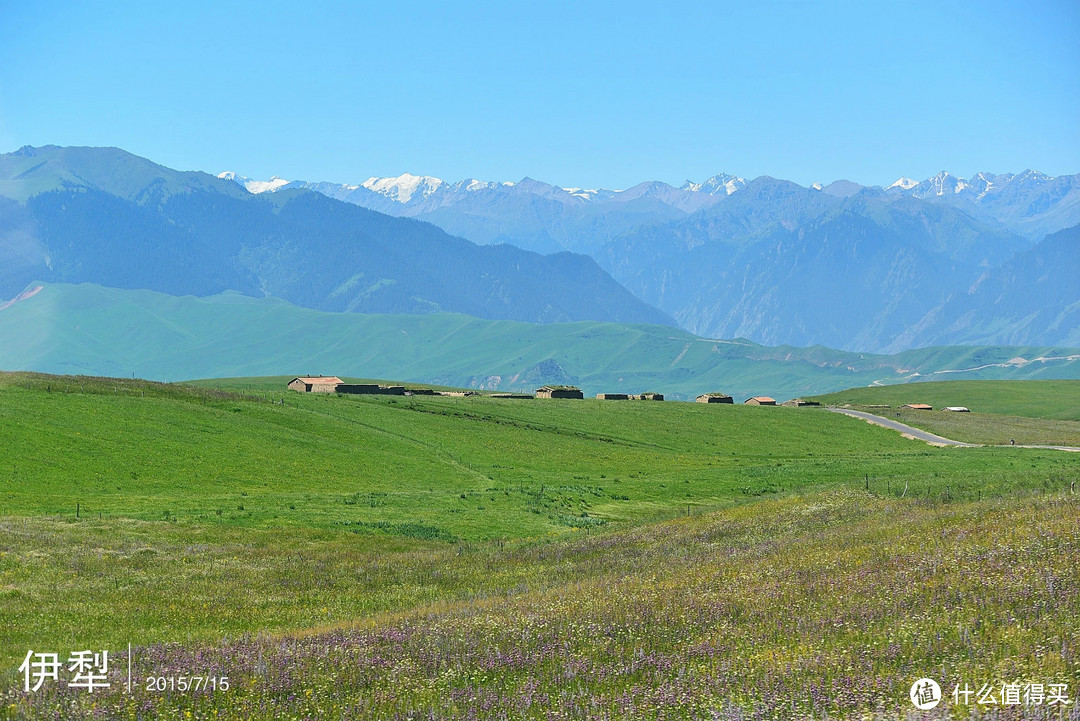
column 375, row 556
column 1025, row 412
column 87, row 329
column 796, row 607
column 1051, row 399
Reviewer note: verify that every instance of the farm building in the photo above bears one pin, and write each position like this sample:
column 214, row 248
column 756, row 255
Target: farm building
column 648, row 397
column 760, row 401
column 918, row 407
column 559, row 392
column 957, row 409
column 511, row 395
column 799, row 403
column 613, row 396
column 714, row 398
column 315, row 384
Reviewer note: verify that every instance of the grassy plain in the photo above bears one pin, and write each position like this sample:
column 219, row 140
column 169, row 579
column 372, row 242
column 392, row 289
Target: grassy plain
column 795, row 607
column 1027, row 412
column 346, row 557
column 1050, row 399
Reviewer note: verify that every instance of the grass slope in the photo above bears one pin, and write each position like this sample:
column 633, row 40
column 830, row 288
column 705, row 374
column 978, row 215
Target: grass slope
column 1053, row 399
column 1025, row 412
column 100, row 331
column 458, row 555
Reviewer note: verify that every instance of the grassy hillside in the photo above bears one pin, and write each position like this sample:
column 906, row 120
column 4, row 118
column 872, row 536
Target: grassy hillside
column 392, row 553
column 1059, row 399
column 100, row 331
column 437, row 467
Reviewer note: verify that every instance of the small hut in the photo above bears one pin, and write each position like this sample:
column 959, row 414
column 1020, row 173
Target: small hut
column 559, row 392
column 714, row 398
column 918, row 407
column 760, row 401
column 612, row 397
column 315, row 384
column 650, row 396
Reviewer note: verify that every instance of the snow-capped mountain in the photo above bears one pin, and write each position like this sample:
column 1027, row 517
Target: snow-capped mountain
column 405, row 187
column 255, row 186
column 543, row 217
column 722, row 183
column 1030, row 203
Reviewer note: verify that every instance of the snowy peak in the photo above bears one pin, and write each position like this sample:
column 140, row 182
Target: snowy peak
column 405, row 187
column 903, row 184
column 943, row 183
column 591, row 194
column 718, row 184
column 255, row 186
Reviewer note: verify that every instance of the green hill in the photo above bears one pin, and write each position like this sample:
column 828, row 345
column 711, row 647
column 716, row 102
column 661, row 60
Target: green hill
column 102, row 331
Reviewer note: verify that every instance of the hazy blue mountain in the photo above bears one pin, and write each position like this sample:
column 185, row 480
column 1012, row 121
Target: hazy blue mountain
column 104, row 216
column 842, row 264
column 851, row 273
column 1035, row 294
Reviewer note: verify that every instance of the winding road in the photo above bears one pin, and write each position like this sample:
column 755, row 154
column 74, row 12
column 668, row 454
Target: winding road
column 934, row 440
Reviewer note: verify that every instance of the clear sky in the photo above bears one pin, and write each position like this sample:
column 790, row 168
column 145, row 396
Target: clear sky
column 577, row 94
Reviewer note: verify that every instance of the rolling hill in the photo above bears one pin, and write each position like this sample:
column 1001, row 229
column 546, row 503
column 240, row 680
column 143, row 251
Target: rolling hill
column 101, row 331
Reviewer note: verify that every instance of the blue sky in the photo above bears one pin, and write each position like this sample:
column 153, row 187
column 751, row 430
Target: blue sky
column 583, row 94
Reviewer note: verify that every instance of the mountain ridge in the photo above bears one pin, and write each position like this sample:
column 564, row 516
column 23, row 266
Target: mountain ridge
column 103, row 215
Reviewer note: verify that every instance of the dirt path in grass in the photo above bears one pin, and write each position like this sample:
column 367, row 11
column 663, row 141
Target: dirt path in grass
column 934, row 440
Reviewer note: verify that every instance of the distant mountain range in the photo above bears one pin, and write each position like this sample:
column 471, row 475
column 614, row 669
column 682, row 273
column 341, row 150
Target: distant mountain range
column 937, row 262
column 848, row 266
column 1030, row 204
column 104, row 216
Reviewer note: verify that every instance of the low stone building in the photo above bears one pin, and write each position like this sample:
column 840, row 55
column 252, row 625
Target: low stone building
column 521, row 396
column 799, row 403
column 559, row 392
column 315, row 384
column 918, row 406
column 760, row 401
column 648, row 397
column 612, row 396
column 714, row 398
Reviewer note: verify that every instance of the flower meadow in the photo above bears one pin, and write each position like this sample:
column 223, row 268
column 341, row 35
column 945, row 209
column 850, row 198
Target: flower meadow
column 822, row 605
